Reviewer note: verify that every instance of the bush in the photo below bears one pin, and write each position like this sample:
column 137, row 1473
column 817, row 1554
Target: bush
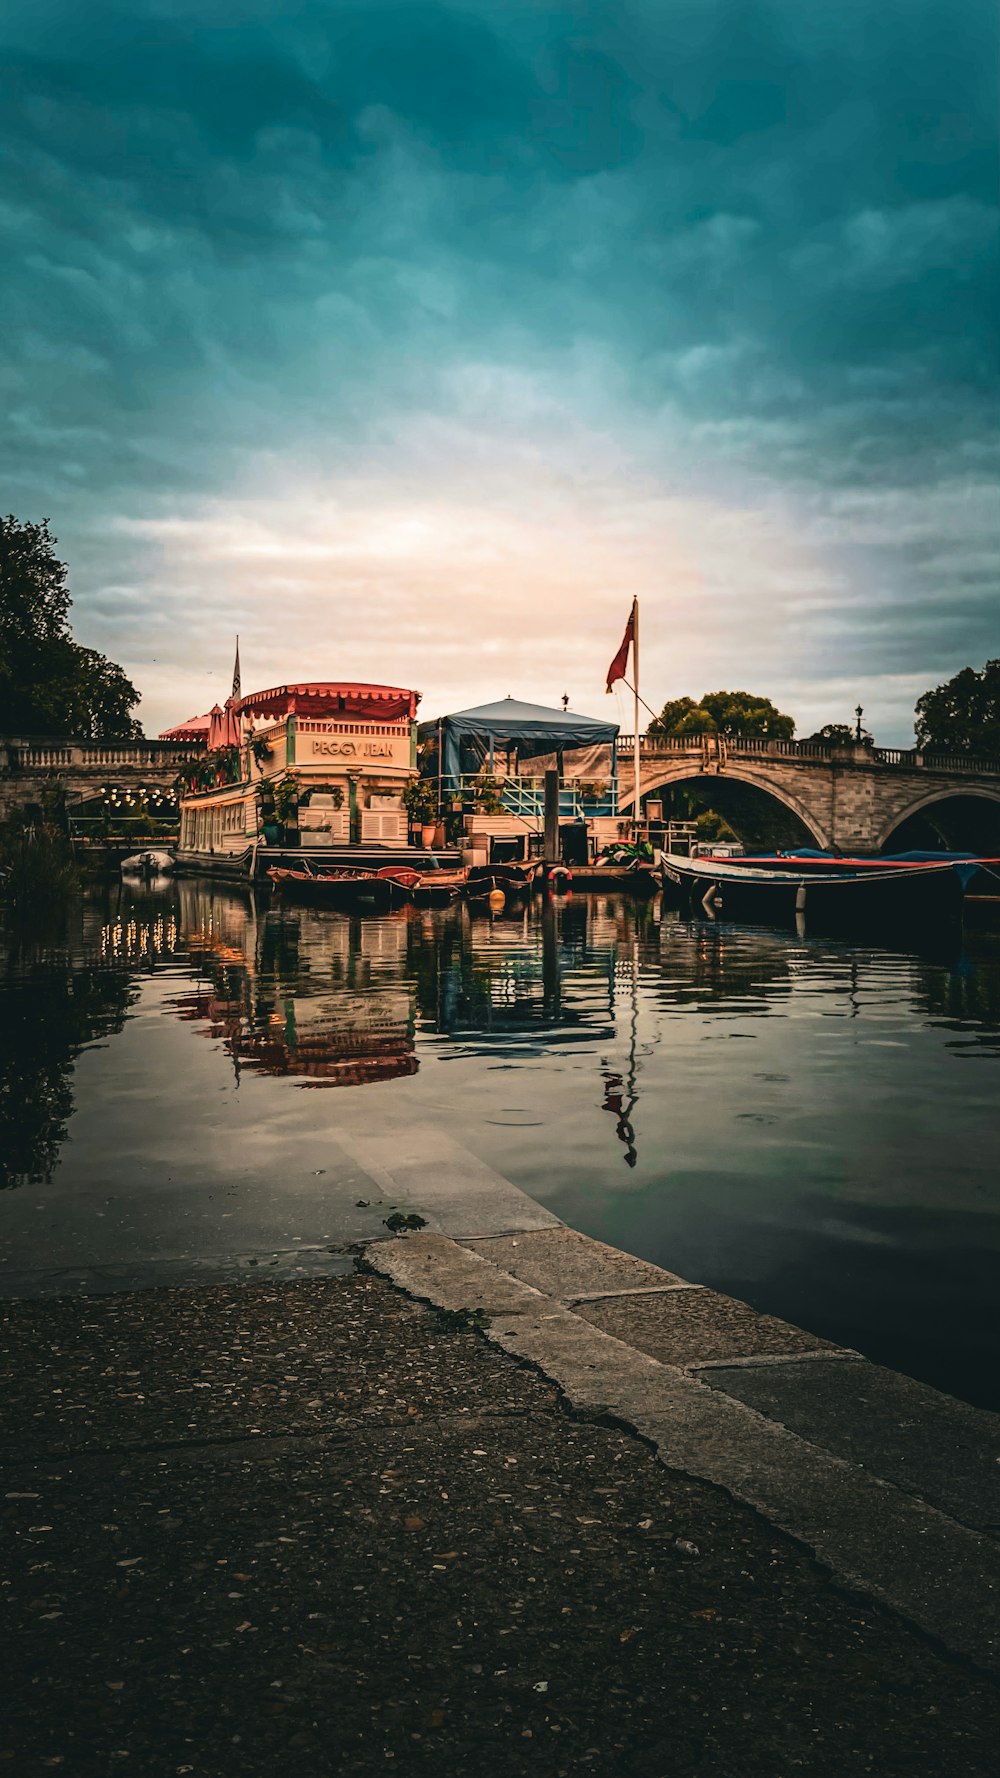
column 36, row 866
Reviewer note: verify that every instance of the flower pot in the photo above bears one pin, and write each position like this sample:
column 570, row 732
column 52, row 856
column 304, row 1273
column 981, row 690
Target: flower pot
column 272, row 833
column 427, row 832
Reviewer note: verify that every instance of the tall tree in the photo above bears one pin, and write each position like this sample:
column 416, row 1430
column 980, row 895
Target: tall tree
column 728, row 712
column 48, row 683
column 963, row 714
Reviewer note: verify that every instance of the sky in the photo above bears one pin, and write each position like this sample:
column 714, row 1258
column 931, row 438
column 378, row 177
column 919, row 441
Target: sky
column 411, row 341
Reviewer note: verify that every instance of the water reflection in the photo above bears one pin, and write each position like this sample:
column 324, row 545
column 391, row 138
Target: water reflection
column 783, row 1118
column 51, row 1010
column 313, row 996
column 496, row 984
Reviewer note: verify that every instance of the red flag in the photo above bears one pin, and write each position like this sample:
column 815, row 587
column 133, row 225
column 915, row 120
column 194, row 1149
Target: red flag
column 620, row 662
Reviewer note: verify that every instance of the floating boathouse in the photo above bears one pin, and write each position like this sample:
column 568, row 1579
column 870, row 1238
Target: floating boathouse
column 317, row 767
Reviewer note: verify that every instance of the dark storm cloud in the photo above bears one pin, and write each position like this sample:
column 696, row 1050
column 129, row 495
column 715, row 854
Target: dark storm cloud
column 756, row 243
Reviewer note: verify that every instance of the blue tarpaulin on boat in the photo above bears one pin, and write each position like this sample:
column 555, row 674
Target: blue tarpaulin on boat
column 527, row 729
column 967, row 863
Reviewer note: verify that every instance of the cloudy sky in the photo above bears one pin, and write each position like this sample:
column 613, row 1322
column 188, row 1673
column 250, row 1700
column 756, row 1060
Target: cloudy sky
column 411, row 340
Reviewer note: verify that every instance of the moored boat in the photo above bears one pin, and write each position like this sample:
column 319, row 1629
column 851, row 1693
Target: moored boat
column 152, row 863
column 786, row 891
column 512, row 879
column 344, row 889
column 426, row 888
column 636, row 878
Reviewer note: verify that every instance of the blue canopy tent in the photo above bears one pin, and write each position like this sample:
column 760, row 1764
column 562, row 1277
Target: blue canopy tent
column 468, row 737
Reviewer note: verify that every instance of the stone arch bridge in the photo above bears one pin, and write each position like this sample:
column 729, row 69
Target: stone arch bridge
column 854, row 798
column 32, row 767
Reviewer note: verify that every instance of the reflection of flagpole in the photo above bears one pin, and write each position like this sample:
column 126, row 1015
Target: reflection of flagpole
column 621, row 1094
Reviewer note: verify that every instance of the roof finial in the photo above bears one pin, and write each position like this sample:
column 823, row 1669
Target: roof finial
column 236, row 671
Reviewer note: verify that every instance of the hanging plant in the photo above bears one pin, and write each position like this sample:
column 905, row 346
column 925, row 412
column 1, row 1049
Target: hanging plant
column 260, row 749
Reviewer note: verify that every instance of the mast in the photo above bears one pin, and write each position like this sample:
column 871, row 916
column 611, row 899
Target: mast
column 635, row 687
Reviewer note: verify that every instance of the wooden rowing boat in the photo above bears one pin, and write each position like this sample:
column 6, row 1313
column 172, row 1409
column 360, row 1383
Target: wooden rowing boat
column 513, row 879
column 630, row 879
column 344, row 889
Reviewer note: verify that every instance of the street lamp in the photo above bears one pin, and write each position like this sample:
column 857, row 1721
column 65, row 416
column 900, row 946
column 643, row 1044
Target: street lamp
column 859, row 712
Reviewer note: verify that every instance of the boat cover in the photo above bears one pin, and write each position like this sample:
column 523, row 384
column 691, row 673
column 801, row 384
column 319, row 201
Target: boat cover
column 527, row 729
column 966, row 863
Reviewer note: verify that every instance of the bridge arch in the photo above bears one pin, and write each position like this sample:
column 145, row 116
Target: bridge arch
column 936, row 798
column 685, row 771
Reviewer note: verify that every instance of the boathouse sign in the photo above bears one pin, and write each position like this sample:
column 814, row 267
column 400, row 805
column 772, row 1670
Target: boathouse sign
column 350, row 750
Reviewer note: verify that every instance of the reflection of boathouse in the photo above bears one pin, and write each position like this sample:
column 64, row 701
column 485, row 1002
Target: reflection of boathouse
column 319, row 766
column 303, row 999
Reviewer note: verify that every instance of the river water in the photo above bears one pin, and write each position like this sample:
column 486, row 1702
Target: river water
column 811, row 1126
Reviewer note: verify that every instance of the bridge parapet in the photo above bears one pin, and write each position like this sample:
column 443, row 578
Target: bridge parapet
column 31, row 763
column 761, row 746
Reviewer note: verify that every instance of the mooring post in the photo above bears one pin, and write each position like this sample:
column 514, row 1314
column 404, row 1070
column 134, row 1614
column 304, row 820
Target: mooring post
column 551, row 818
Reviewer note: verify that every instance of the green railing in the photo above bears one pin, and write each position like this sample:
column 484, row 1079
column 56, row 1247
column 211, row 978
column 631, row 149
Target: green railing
column 524, row 798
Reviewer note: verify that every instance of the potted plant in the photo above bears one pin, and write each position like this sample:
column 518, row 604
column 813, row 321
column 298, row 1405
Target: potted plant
column 286, row 803
column 486, row 794
column 420, row 803
column 270, row 825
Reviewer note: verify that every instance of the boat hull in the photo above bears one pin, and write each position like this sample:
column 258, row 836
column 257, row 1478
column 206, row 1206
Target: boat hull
column 324, row 889
column 890, row 900
column 512, row 879
column 628, row 879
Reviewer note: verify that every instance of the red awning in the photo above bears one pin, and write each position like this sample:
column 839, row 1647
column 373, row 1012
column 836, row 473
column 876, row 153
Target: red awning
column 386, row 703
column 231, row 736
column 215, row 727
column 195, row 729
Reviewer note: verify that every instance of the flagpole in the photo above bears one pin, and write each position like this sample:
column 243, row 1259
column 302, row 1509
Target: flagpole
column 635, row 688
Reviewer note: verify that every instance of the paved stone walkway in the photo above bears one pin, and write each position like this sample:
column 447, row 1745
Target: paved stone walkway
column 316, row 1528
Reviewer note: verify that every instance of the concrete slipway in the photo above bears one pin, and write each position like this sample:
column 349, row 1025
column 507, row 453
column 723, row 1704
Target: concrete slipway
column 893, row 1485
column 488, row 1496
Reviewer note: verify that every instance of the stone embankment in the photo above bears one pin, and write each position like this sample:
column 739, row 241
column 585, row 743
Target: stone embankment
column 501, row 1499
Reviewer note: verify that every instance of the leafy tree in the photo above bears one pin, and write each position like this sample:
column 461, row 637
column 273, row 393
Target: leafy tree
column 727, row 712
column 710, row 826
column 48, row 682
column 841, row 734
column 963, row 715
column 681, row 716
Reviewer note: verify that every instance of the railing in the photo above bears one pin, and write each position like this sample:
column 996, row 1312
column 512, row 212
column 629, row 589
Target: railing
column 44, row 753
column 124, row 827
column 909, row 758
column 396, row 731
column 524, row 797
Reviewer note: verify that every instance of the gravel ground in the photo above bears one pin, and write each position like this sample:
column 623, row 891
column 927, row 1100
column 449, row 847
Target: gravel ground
column 314, row 1528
